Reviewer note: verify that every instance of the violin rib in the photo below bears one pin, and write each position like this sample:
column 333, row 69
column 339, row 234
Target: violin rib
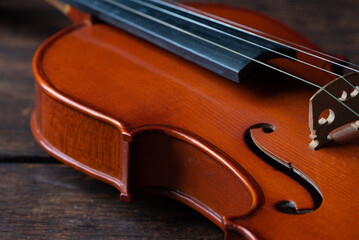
column 149, row 122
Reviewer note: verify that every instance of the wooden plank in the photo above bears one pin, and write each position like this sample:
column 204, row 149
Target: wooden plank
column 53, row 201
column 23, row 26
column 332, row 24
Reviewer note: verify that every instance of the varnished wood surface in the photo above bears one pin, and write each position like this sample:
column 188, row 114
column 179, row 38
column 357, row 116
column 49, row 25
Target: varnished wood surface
column 53, row 201
column 23, row 26
column 330, row 25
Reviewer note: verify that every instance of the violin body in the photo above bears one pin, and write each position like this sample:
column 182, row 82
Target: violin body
column 149, row 122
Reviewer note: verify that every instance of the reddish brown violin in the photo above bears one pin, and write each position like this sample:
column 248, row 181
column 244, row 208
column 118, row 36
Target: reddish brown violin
column 209, row 105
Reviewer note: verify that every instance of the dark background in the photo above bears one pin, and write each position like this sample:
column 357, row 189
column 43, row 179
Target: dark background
column 41, row 198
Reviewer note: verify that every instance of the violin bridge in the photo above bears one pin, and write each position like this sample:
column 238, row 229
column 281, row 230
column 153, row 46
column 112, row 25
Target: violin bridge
column 327, row 113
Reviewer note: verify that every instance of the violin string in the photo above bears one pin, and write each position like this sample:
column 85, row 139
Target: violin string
column 231, row 24
column 241, row 39
column 120, row 5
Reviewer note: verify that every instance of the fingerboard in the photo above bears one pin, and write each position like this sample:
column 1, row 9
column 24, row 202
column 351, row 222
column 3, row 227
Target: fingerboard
column 226, row 50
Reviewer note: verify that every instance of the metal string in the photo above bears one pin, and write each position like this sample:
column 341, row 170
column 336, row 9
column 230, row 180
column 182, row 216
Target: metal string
column 220, row 46
column 239, row 38
column 231, row 24
column 267, row 65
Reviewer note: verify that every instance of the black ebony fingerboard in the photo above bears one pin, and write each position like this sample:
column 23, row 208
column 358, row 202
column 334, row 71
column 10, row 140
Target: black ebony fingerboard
column 220, row 48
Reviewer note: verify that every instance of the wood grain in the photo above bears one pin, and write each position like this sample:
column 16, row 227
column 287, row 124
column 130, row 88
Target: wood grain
column 146, row 90
column 332, row 25
column 42, row 201
column 23, row 26
column 53, row 201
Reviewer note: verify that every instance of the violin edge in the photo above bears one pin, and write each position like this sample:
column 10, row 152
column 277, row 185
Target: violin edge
column 45, row 92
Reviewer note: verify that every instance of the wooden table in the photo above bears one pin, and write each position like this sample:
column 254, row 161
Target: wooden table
column 41, row 198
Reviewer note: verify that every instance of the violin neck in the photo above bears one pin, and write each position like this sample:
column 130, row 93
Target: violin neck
column 221, row 48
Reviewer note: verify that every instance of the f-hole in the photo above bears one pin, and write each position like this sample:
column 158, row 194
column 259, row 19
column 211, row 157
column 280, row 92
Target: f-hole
column 285, row 206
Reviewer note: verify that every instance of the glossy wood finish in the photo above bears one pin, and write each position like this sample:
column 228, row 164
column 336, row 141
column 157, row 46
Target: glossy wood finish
column 161, row 106
column 58, row 202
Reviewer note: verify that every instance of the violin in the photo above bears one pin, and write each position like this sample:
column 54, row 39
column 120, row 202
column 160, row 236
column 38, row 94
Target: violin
column 223, row 109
